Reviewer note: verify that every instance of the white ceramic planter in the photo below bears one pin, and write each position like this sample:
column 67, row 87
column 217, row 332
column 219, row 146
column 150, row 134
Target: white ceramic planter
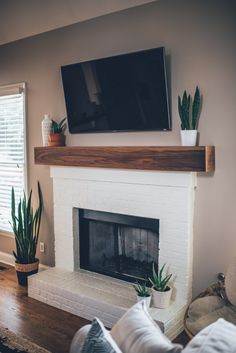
column 188, row 137
column 147, row 300
column 161, row 300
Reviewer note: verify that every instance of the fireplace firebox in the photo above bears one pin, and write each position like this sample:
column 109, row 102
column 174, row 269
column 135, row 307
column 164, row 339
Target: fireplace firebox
column 118, row 245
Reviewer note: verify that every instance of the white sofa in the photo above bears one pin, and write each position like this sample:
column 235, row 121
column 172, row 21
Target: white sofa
column 136, row 332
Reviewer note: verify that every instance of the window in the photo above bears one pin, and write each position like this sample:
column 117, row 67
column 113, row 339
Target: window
column 12, row 148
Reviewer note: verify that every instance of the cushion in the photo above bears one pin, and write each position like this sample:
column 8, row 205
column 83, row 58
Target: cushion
column 219, row 337
column 79, row 339
column 204, row 311
column 230, row 282
column 99, row 340
column 136, row 332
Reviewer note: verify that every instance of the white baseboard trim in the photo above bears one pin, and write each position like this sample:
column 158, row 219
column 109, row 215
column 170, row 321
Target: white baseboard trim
column 43, row 267
column 10, row 260
column 7, row 258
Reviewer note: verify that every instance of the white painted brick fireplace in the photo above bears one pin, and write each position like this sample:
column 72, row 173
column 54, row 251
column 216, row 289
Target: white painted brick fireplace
column 167, row 196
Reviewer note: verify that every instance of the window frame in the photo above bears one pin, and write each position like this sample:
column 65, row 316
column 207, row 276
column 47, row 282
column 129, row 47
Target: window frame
column 8, row 89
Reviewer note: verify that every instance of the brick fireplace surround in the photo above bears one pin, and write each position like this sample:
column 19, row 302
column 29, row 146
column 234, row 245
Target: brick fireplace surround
column 167, row 196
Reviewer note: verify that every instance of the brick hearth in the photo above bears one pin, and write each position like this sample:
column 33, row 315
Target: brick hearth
column 168, row 197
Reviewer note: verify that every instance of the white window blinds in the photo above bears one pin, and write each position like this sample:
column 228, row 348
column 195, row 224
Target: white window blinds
column 12, row 148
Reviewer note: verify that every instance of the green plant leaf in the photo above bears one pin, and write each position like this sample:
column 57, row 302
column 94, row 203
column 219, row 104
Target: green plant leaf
column 196, row 108
column 183, row 107
column 166, row 281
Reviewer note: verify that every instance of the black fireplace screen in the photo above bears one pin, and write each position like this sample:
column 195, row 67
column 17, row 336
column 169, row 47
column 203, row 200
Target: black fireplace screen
column 118, row 245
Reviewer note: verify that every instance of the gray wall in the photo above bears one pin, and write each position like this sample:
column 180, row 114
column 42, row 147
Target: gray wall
column 25, row 18
column 201, row 49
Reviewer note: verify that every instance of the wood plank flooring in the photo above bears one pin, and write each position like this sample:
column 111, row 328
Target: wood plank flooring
column 48, row 327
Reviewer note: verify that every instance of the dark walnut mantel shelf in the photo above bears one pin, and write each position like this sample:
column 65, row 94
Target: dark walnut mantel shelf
column 171, row 158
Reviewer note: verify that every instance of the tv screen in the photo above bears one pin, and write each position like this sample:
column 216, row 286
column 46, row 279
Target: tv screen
column 120, row 93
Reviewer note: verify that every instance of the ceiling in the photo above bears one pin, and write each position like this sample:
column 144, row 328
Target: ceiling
column 25, row 18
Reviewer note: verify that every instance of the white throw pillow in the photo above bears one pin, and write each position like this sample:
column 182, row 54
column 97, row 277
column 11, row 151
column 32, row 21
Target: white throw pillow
column 219, row 337
column 136, row 332
column 79, row 339
column 99, row 340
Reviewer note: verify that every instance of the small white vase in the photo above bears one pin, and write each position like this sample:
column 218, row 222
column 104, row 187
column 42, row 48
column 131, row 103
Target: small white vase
column 147, row 300
column 188, row 137
column 46, row 129
column 161, row 300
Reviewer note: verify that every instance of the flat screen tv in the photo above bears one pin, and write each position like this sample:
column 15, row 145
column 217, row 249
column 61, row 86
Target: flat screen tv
column 120, row 93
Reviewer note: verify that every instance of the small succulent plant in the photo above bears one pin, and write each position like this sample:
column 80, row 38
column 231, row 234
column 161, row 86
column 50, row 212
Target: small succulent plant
column 141, row 289
column 58, row 128
column 158, row 280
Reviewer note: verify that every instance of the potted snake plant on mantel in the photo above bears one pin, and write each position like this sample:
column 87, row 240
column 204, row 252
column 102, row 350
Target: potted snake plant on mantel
column 25, row 225
column 189, row 112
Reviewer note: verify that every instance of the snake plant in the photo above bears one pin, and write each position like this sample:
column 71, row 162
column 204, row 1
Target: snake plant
column 189, row 110
column 25, row 225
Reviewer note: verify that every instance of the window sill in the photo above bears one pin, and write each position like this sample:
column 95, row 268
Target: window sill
column 7, row 234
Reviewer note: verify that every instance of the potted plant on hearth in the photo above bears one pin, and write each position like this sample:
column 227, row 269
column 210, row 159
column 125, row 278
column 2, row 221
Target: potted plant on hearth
column 143, row 292
column 57, row 137
column 25, row 225
column 161, row 289
column 189, row 112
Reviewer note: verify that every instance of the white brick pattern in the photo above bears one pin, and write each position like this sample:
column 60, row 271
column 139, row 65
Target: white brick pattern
column 168, row 197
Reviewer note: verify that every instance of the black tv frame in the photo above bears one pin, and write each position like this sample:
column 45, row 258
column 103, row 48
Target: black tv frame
column 73, row 130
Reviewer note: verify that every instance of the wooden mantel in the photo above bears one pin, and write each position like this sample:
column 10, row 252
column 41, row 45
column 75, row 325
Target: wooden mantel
column 171, row 158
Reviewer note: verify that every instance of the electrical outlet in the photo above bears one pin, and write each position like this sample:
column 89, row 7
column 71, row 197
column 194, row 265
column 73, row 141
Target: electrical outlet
column 41, row 247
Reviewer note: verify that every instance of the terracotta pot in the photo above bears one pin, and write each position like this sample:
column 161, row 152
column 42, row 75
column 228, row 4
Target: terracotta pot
column 55, row 140
column 161, row 300
column 25, row 270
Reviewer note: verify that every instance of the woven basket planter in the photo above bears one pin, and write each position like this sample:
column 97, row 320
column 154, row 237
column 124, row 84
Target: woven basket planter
column 25, row 270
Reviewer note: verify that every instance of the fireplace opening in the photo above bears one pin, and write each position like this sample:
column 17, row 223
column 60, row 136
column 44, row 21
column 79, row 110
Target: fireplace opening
column 118, row 245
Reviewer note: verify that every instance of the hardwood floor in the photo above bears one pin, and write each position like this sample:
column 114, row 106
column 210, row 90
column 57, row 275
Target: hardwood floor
column 45, row 325
column 49, row 327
